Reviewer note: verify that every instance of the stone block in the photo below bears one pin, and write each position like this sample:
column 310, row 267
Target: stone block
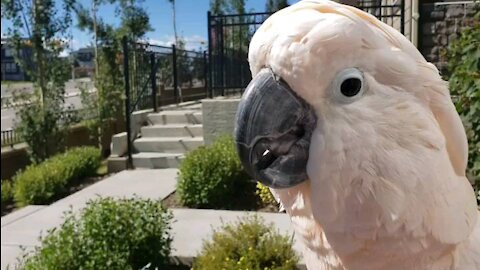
column 441, row 27
column 116, row 164
column 218, row 118
column 119, row 147
column 437, row 14
column 138, row 119
column 429, row 28
column 455, row 11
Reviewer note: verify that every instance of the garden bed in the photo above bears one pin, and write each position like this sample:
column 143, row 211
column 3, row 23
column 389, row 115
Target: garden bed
column 244, row 202
column 74, row 186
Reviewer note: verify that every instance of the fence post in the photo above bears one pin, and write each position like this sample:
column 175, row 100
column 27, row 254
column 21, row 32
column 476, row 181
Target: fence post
column 127, row 100
column 221, row 48
column 402, row 18
column 174, row 66
column 205, row 72
column 210, row 70
column 154, row 82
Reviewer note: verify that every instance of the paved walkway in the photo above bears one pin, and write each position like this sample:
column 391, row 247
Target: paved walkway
column 23, row 227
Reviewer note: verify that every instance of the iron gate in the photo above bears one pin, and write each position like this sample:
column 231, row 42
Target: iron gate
column 158, row 75
column 228, row 40
column 230, row 35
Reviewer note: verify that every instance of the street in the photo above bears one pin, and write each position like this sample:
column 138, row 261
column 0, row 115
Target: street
column 72, row 97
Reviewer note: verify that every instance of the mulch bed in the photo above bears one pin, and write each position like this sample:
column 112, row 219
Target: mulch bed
column 249, row 202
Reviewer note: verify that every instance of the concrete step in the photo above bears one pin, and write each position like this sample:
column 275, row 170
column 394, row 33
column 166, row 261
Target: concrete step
column 157, row 160
column 174, row 130
column 188, row 105
column 167, row 144
column 176, row 117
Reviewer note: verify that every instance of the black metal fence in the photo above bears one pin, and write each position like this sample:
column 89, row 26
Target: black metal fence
column 391, row 12
column 228, row 39
column 230, row 35
column 158, row 75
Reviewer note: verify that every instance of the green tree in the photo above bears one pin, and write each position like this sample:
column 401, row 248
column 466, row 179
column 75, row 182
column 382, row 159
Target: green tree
column 275, row 5
column 227, row 7
column 108, row 100
column 40, row 27
column 235, row 39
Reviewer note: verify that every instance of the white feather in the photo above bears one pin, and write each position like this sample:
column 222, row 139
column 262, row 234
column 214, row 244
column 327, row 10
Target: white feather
column 387, row 186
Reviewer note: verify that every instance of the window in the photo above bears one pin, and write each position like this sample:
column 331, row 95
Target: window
column 8, row 52
column 11, row 68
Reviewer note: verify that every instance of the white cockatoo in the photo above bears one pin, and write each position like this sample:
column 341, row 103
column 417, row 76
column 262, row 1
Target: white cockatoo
column 357, row 136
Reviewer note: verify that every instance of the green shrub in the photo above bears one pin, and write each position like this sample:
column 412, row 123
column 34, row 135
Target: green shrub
column 464, row 80
column 7, row 196
column 211, row 176
column 265, row 194
column 247, row 244
column 44, row 182
column 107, row 234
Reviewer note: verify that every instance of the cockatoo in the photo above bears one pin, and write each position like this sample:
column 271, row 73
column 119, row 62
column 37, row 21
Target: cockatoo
column 357, row 136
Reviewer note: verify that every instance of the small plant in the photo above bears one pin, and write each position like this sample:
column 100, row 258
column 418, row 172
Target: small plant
column 7, row 196
column 107, row 234
column 212, row 176
column 265, row 194
column 42, row 183
column 247, row 244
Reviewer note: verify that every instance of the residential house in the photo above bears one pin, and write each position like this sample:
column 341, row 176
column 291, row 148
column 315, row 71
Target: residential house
column 84, row 62
column 11, row 71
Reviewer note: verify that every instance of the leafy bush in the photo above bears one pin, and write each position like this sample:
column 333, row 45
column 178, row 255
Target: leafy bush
column 7, row 195
column 464, row 68
column 265, row 194
column 107, row 234
column 211, row 176
column 247, row 244
column 44, row 182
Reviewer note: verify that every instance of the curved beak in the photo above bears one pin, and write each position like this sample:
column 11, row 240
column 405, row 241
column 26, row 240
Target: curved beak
column 273, row 128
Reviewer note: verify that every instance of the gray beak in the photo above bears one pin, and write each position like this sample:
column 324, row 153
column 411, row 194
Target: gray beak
column 273, row 127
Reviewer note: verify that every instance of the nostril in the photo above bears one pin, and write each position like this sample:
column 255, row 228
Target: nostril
column 265, row 160
column 299, row 131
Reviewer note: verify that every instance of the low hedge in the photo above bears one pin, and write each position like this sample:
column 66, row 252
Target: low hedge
column 211, row 176
column 107, row 234
column 247, row 244
column 44, row 182
column 7, row 195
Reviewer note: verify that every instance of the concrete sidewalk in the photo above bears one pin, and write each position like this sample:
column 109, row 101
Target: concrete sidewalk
column 189, row 229
column 23, row 227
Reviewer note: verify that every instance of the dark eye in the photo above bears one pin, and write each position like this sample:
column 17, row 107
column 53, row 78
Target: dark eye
column 351, row 87
column 348, row 85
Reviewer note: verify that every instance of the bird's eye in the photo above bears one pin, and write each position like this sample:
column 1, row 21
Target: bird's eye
column 348, row 85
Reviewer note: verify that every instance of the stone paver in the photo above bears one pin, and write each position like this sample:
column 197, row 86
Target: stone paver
column 189, row 229
column 23, row 227
column 20, row 213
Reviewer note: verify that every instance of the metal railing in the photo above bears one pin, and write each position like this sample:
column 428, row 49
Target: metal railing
column 158, row 75
column 10, row 138
column 228, row 38
column 391, row 12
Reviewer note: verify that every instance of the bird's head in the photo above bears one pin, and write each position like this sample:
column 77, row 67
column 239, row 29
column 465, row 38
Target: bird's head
column 347, row 102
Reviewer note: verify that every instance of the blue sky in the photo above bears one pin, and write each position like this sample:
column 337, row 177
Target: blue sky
column 191, row 21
